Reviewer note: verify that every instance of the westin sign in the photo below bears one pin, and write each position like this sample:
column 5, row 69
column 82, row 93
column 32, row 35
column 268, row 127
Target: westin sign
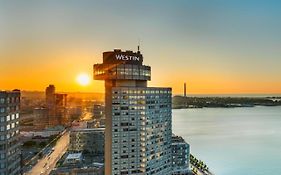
column 127, row 57
column 116, row 57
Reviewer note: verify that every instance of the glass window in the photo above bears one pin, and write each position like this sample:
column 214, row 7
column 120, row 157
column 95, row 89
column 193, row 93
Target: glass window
column 2, row 137
column 2, row 155
column 13, row 116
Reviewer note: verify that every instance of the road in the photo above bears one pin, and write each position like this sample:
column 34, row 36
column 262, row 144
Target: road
column 47, row 163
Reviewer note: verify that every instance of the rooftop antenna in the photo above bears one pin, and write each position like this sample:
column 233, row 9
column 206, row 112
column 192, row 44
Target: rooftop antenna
column 138, row 45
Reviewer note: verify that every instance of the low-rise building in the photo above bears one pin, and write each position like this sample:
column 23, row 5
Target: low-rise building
column 87, row 140
column 78, row 164
column 85, row 155
column 180, row 156
column 73, row 158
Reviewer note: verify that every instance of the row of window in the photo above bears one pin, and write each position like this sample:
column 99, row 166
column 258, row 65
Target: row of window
column 141, row 91
column 9, row 117
column 9, row 100
column 9, row 126
column 9, row 109
column 9, row 135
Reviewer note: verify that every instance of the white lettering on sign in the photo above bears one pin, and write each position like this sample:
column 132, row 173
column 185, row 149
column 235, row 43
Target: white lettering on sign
column 127, row 57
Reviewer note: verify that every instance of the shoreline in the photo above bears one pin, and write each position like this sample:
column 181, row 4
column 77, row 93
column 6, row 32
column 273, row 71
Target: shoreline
column 229, row 107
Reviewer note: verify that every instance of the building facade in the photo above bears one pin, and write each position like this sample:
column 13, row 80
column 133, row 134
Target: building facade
column 138, row 118
column 41, row 118
column 57, row 107
column 10, row 154
column 180, row 156
column 85, row 155
column 87, row 140
column 98, row 111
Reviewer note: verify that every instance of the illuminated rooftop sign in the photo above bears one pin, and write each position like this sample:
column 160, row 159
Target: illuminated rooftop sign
column 127, row 57
column 117, row 56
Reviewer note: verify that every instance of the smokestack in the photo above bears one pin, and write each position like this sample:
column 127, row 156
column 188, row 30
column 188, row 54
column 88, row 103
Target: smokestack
column 184, row 89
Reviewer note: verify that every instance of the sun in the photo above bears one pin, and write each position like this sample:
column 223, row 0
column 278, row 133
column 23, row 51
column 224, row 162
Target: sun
column 83, row 79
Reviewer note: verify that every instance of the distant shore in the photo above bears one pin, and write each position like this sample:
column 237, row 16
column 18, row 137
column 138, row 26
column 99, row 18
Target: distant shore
column 180, row 102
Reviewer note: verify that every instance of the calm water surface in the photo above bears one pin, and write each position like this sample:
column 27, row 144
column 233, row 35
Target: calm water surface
column 233, row 141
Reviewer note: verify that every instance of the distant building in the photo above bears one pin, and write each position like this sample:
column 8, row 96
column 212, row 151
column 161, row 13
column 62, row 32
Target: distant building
column 98, row 111
column 61, row 110
column 93, row 123
column 10, row 153
column 89, row 141
column 74, row 113
column 138, row 118
column 180, row 156
column 78, row 124
column 56, row 104
column 98, row 119
column 41, row 118
column 50, row 95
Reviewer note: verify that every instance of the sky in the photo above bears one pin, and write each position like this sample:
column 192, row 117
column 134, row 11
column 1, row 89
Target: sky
column 215, row 46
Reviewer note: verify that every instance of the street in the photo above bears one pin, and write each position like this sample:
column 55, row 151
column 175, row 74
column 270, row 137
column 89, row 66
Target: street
column 47, row 163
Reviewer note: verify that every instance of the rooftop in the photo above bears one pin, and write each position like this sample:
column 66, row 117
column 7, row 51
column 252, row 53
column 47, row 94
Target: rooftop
column 74, row 156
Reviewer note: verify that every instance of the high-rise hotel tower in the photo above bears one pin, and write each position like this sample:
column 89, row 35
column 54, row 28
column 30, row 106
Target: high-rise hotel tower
column 138, row 118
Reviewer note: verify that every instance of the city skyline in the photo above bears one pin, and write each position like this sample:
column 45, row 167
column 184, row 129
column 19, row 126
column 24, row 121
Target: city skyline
column 215, row 47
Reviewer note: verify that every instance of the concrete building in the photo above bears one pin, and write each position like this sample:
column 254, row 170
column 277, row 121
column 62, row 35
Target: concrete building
column 98, row 119
column 138, row 118
column 85, row 155
column 56, row 104
column 77, row 164
column 10, row 155
column 95, row 169
column 180, row 156
column 61, row 109
column 73, row 158
column 90, row 141
column 41, row 118
column 98, row 111
column 50, row 95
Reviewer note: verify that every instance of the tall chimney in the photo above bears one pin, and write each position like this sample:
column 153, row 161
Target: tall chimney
column 184, row 89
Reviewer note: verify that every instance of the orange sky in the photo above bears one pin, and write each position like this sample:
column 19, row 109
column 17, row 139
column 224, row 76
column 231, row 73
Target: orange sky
column 63, row 69
column 215, row 50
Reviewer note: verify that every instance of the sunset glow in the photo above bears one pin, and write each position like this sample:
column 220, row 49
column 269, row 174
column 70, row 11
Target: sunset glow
column 215, row 50
column 83, row 79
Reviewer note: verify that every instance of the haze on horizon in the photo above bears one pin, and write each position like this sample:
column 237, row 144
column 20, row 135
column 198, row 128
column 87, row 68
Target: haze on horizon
column 217, row 47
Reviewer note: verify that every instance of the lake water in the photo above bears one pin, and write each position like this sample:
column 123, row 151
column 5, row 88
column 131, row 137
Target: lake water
column 233, row 141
